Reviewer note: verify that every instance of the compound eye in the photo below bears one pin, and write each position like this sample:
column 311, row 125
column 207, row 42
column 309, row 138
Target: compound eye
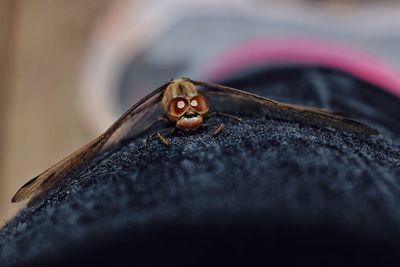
column 199, row 103
column 178, row 106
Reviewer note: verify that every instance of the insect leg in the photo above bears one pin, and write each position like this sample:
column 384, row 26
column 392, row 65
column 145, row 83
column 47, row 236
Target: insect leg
column 161, row 119
column 163, row 139
column 215, row 113
column 160, row 135
column 218, row 129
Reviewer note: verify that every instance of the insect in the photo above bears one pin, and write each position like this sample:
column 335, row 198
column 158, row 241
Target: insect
column 186, row 104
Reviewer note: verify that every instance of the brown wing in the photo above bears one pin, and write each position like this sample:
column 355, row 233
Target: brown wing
column 134, row 122
column 230, row 100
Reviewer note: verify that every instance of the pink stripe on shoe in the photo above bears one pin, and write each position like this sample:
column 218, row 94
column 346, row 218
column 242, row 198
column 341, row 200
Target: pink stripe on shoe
column 307, row 52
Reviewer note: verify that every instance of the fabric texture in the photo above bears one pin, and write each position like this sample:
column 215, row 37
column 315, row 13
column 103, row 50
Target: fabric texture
column 263, row 190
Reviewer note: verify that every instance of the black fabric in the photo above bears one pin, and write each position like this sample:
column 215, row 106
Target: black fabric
column 268, row 191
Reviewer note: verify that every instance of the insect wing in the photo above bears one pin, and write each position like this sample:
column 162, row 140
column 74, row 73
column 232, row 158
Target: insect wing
column 44, row 181
column 137, row 119
column 230, row 100
column 134, row 122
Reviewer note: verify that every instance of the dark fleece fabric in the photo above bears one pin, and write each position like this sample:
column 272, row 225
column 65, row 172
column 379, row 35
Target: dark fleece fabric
column 263, row 191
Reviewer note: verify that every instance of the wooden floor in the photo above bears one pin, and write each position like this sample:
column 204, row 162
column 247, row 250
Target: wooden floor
column 42, row 45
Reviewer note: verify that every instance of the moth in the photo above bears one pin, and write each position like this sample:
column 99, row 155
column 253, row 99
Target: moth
column 186, row 104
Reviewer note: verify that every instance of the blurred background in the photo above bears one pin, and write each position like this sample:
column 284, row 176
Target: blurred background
column 69, row 68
